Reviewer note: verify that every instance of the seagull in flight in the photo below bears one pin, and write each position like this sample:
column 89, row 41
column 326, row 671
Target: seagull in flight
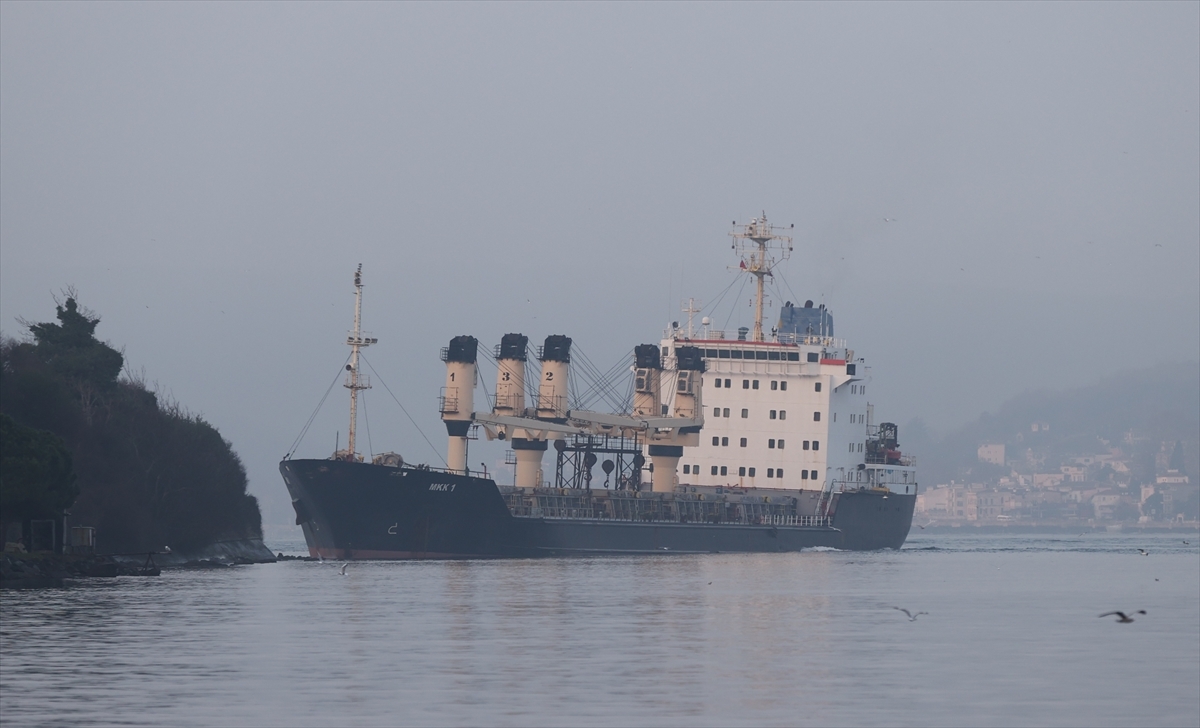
column 1143, row 552
column 343, row 571
column 911, row 617
column 1123, row 618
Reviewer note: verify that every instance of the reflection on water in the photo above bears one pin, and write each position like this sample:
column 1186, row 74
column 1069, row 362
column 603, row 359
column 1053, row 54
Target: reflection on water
column 781, row 639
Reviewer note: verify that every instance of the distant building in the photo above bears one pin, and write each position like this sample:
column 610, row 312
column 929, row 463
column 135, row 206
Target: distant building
column 1048, row 480
column 1074, row 473
column 1039, row 427
column 991, row 453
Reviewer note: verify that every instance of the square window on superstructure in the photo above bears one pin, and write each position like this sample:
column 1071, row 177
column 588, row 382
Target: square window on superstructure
column 774, row 384
column 717, row 383
column 724, row 442
column 716, row 411
column 816, row 444
column 716, row 441
column 860, row 445
column 724, row 470
column 862, row 389
column 780, row 444
column 812, row 475
column 770, row 472
column 745, row 384
column 751, row 473
column 816, row 387
column 778, row 472
column 687, row 469
column 783, row 414
column 725, row 412
column 754, row 384
column 774, row 414
column 851, row 448
column 714, row 470
column 816, row 416
column 805, row 445
column 743, row 442
column 727, row 384
column 770, row 444
column 742, row 471
column 745, row 413
column 813, row 357
column 783, row 386
column 803, row 475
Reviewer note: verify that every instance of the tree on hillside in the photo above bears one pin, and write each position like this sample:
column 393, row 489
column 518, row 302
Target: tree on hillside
column 37, row 479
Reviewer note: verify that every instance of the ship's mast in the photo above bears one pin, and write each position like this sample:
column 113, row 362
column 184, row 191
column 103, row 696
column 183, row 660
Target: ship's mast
column 354, row 382
column 754, row 244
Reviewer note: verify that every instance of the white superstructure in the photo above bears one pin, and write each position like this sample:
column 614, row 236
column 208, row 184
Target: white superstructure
column 785, row 410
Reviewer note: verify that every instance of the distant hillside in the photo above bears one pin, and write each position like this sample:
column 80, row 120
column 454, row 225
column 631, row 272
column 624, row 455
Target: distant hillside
column 1139, row 410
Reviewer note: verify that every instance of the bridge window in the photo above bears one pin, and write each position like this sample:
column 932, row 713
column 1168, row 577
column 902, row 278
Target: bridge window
column 793, row 356
column 773, row 355
column 813, row 357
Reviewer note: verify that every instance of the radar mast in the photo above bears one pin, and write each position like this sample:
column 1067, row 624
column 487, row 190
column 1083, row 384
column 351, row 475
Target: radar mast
column 754, row 243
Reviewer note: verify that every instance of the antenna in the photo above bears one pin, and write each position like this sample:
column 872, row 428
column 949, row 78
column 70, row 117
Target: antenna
column 354, row 382
column 754, row 244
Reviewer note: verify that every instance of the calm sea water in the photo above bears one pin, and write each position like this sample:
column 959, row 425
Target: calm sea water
column 1012, row 638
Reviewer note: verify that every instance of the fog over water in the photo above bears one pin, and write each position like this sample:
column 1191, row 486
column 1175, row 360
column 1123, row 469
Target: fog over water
column 990, row 197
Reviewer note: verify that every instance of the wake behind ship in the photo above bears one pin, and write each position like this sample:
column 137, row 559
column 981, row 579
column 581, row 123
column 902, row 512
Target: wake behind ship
column 760, row 442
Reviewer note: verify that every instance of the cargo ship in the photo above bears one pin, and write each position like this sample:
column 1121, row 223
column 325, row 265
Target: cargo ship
column 749, row 441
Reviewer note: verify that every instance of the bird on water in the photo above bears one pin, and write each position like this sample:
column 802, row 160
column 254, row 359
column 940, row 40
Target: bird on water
column 1123, row 618
column 343, row 571
column 1143, row 552
column 911, row 617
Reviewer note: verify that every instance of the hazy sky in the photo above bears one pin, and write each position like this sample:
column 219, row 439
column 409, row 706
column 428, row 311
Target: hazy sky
column 208, row 175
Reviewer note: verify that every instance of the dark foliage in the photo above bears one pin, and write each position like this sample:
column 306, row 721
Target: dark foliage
column 36, row 476
column 149, row 474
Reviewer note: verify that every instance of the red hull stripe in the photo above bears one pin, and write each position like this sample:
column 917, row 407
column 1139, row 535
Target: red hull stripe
column 833, row 361
column 363, row 554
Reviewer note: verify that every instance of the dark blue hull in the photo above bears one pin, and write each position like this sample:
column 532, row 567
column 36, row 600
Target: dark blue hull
column 361, row 511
